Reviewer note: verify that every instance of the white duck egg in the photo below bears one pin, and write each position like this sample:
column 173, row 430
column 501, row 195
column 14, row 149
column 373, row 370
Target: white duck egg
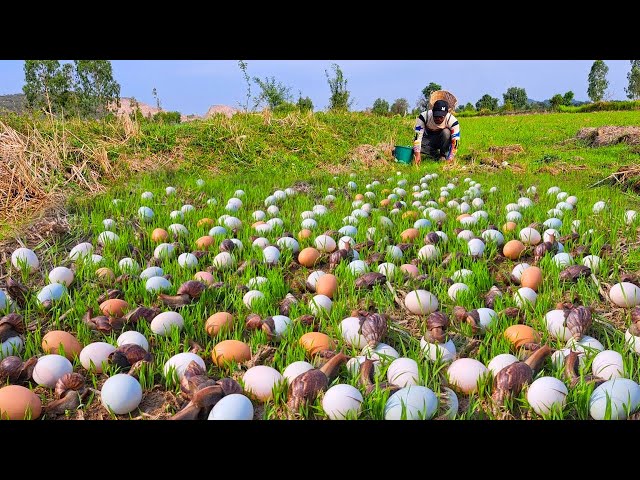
column 403, row 372
column 428, row 253
column 251, row 296
column 320, row 303
column 545, row 394
column 614, row 399
column 11, row 346
column 476, row 247
column 562, row 259
column 625, row 294
column 176, row 215
column 180, row 362
column 556, row 326
column 313, row 278
column 145, row 213
column 50, row 368
column 493, row 236
column 61, row 275
column 232, row 407
column 608, row 364
column 162, row 324
column 530, row 236
column 187, row 260
column 95, row 354
column 525, row 296
column 81, row 250
column 421, row 302
column 350, row 330
column 465, row 373
column 271, row 255
column 593, row 262
column 342, row 401
column 109, row 223
column 455, row 289
column 630, row 216
column 53, row 292
column 324, row 243
column 599, row 206
column 24, row 258
column 296, row 369
column 223, row 260
column 414, row 402
column 157, row 284
column 434, row 351
column 358, row 267
column 501, row 361
column 260, row 380
column 164, row 250
column 461, row 275
column 133, row 337
column 121, row 394
column 518, row 269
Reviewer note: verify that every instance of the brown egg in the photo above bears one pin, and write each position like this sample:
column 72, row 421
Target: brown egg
column 509, row 227
column 531, row 277
column 259, row 222
column 410, row 269
column 159, row 235
column 385, row 202
column 114, row 307
column 308, row 256
column 204, row 277
column 17, row 402
column 385, row 191
column 203, row 243
column 314, row 342
column 53, row 339
column 409, row 235
column 521, row 334
column 410, row 214
column 205, row 222
column 327, row 285
column 513, row 249
column 304, row 233
column 442, row 199
column 217, row 321
column 230, row 351
column 105, row 275
column 359, row 196
column 464, row 215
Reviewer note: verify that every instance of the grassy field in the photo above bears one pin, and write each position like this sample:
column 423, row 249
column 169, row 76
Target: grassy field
column 259, row 155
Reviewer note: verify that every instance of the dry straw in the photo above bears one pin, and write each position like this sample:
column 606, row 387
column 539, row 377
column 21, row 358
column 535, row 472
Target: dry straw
column 443, row 95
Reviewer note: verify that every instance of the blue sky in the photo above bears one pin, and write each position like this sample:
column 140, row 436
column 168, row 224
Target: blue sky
column 191, row 86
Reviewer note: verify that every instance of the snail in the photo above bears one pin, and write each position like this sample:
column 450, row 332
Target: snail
column 12, row 368
column 203, row 392
column 306, row 387
column 70, row 389
column 187, row 292
column 11, row 325
column 510, row 380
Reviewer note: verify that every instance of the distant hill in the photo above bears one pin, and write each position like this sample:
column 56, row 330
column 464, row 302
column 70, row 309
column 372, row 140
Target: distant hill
column 14, row 102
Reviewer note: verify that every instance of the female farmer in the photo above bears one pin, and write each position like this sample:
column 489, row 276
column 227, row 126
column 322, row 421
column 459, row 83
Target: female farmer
column 437, row 133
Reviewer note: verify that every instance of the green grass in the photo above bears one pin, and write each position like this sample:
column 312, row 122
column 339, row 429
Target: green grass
column 298, row 149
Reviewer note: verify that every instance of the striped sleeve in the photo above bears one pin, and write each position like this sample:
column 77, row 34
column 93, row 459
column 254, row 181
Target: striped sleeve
column 421, row 123
column 454, row 127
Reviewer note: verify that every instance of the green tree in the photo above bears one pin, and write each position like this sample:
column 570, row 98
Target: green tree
column 154, row 92
column 556, row 101
column 48, row 85
column 517, row 96
column 304, row 104
column 380, row 107
column 487, row 102
column 339, row 99
column 598, row 82
column 272, row 93
column 243, row 67
column 568, row 98
column 400, row 107
column 633, row 77
column 469, row 107
column 96, row 91
column 423, row 102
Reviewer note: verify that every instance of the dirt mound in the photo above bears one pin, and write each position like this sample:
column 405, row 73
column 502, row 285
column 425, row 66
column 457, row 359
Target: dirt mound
column 225, row 110
column 505, row 151
column 609, row 135
column 372, row 156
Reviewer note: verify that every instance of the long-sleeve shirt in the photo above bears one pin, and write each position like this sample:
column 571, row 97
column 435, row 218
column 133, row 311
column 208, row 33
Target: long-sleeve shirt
column 425, row 121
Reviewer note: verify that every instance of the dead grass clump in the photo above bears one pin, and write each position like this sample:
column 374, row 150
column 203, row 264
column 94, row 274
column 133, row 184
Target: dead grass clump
column 505, row 151
column 372, row 156
column 609, row 135
column 558, row 168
